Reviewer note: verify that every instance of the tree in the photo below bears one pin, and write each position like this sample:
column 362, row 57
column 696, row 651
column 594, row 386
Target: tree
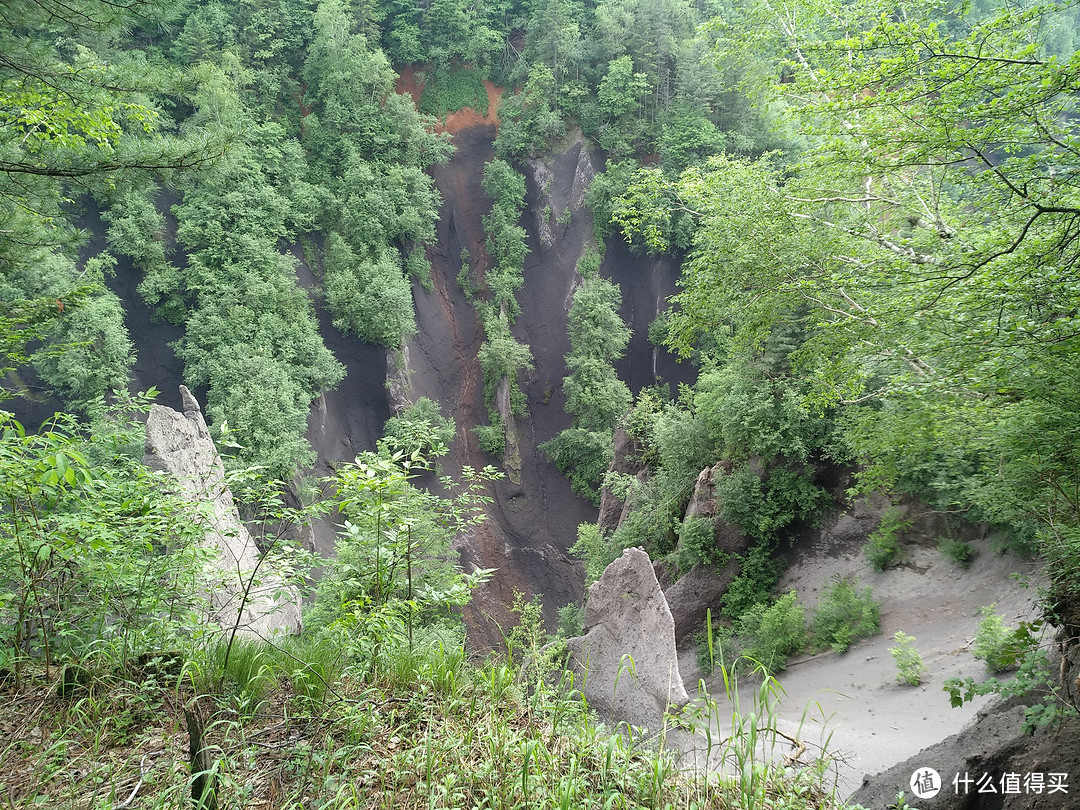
column 945, row 176
column 75, row 116
column 395, row 563
column 595, row 396
column 82, row 533
column 369, row 298
column 622, row 91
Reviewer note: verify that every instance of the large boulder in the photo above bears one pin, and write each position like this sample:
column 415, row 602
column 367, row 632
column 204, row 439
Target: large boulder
column 852, row 526
column 626, row 661
column 242, row 592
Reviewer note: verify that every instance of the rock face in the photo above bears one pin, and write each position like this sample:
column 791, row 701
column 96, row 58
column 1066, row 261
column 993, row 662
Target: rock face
column 627, row 462
column 695, row 593
column 626, row 660
column 729, row 539
column 179, row 445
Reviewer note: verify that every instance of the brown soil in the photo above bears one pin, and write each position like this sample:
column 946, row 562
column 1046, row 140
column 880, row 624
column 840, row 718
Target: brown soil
column 408, row 82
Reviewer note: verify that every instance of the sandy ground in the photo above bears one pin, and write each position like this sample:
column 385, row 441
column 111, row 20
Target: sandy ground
column 851, row 704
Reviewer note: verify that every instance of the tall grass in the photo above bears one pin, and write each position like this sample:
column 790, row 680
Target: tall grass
column 297, row 725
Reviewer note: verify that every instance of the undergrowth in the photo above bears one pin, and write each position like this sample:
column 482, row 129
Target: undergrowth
column 294, row 725
column 452, row 90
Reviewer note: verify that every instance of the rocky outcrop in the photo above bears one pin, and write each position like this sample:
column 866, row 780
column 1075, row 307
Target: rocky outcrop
column 626, row 660
column 241, row 591
column 557, row 204
column 398, row 383
column 695, row 593
column 853, row 525
column 729, row 539
column 584, row 173
column 512, row 443
column 626, row 461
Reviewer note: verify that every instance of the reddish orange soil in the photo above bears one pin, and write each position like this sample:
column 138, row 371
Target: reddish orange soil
column 408, row 83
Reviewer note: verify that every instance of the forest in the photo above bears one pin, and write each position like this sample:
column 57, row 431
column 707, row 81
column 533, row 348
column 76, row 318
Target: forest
column 872, row 212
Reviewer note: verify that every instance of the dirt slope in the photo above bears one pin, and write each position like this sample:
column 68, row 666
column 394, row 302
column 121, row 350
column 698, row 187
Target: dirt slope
column 851, row 703
column 530, row 526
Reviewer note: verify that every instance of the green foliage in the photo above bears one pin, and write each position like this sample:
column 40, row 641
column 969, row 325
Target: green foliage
column 959, row 551
column 969, row 414
column 420, row 429
column 491, row 438
column 589, row 263
column 758, row 574
column 371, row 299
column 763, row 508
column 995, row 642
column 603, row 192
column 909, row 664
column 136, row 228
column 723, row 650
column 595, row 396
column 775, row 632
column 594, row 326
column 505, row 237
column 394, row 563
column 883, row 544
column 593, row 550
column 81, row 541
column 571, row 620
column 583, row 456
column 681, row 444
column 503, row 357
column 845, row 614
column 453, row 90
column 528, row 120
column 766, row 634
column 528, row 640
column 767, row 438
column 80, row 111
column 697, row 544
column 1035, row 679
column 752, row 416
column 687, row 137
column 98, row 352
column 656, row 510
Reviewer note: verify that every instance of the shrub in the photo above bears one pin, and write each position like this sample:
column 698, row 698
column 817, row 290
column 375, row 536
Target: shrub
column 775, row 632
column 571, row 620
column 450, row 91
column 420, row 427
column 370, row 298
column 909, row 664
column 758, row 574
column 592, row 549
column 697, row 544
column 583, row 456
column 958, row 551
column 883, row 545
column 995, row 642
column 844, row 614
column 492, row 438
